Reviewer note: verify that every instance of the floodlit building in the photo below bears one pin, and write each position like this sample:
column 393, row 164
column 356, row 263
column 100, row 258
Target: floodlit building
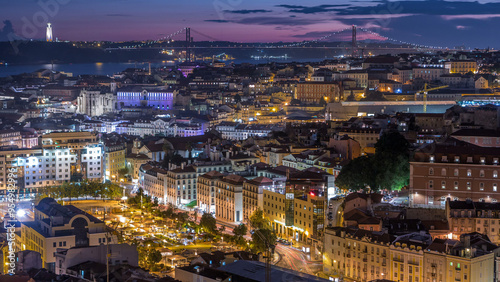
column 58, row 227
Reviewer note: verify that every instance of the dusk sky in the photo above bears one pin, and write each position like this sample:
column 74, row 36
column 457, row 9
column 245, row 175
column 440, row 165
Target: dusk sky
column 429, row 22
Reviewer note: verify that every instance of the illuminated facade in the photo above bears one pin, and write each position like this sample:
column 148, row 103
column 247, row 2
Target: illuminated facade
column 314, row 92
column 461, row 66
column 454, row 170
column 161, row 99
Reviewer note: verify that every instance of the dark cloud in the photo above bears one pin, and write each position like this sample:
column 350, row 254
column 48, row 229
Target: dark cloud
column 312, row 9
column 243, row 12
column 218, row 21
column 425, row 7
column 277, row 21
column 421, row 29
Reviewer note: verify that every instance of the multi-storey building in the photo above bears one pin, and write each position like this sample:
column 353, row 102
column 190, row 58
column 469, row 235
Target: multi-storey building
column 206, row 186
column 468, row 216
column 470, row 258
column 114, row 159
column 314, row 92
column 296, row 211
column 153, row 181
column 456, row 170
column 10, row 137
column 356, row 254
column 61, row 227
column 428, row 74
column 181, row 185
column 365, row 137
column 86, row 148
column 229, row 198
column 359, row 76
column 461, row 66
column 158, row 98
column 69, row 156
column 253, row 192
column 237, row 131
column 407, row 259
column 166, row 127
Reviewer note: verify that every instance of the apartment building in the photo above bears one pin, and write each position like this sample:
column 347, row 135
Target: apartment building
column 470, row 258
column 114, row 159
column 253, row 192
column 153, row 181
column 314, row 92
column 229, row 198
column 356, row 254
column 461, row 66
column 456, row 170
column 181, row 185
column 206, row 186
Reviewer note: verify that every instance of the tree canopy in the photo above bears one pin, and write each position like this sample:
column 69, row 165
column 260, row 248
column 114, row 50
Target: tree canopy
column 388, row 168
column 208, row 223
column 257, row 220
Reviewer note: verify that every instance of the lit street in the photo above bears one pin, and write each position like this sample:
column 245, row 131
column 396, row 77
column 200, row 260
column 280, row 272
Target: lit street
column 294, row 259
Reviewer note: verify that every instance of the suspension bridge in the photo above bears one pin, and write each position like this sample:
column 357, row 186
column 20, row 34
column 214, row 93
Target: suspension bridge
column 356, row 39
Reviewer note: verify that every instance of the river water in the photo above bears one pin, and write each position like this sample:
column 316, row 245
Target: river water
column 106, row 68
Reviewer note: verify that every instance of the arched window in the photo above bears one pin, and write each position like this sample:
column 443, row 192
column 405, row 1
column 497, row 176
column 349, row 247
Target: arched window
column 481, row 173
column 495, row 174
column 443, row 172
column 455, row 172
column 431, row 171
column 469, row 172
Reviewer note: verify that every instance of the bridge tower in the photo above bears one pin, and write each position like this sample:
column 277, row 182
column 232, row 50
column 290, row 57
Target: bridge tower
column 354, row 40
column 189, row 39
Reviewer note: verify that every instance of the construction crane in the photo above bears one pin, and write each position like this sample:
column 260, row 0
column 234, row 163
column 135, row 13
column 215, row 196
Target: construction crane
column 425, row 91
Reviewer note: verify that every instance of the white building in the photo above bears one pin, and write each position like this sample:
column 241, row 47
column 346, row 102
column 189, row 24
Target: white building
column 96, row 103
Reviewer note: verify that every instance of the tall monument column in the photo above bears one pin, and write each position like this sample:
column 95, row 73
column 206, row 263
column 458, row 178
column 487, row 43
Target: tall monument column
column 49, row 32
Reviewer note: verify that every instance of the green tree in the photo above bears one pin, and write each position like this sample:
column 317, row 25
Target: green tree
column 240, row 230
column 357, row 174
column 208, row 223
column 258, row 221
column 154, row 256
column 122, row 172
column 388, row 168
column 262, row 239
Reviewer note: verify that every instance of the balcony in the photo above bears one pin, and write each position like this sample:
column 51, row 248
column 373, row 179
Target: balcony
column 384, row 255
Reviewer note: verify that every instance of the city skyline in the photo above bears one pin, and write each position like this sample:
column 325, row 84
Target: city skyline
column 461, row 22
